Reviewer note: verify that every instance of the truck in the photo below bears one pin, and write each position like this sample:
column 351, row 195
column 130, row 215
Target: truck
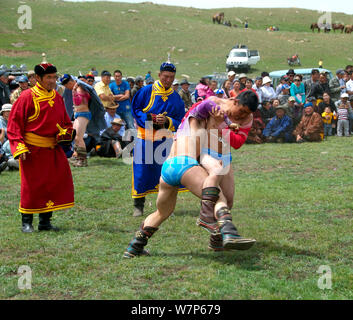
column 240, row 57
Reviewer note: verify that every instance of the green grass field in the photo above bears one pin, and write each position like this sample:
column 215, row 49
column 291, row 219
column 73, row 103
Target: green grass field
column 295, row 199
column 77, row 36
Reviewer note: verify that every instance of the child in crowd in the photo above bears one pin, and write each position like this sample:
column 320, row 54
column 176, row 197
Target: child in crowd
column 327, row 118
column 343, row 119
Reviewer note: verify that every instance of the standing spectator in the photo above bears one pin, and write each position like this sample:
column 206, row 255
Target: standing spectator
column 268, row 93
column 327, row 102
column 4, row 88
column 349, row 84
column 231, row 77
column 311, row 85
column 203, row 89
column 291, row 74
column 94, row 72
column 321, row 64
column 257, row 87
column 236, row 89
column 311, row 126
column 323, row 81
column 148, row 76
column 336, row 85
column 131, row 82
column 242, row 78
column 297, row 90
column 103, row 91
column 279, row 129
column 23, row 82
column 343, row 115
column 267, row 112
column 163, row 106
column 185, row 94
column 31, row 78
column 227, row 86
column 327, row 118
column 137, row 86
column 121, row 92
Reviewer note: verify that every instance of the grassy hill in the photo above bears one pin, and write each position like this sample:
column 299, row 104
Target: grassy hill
column 77, row 36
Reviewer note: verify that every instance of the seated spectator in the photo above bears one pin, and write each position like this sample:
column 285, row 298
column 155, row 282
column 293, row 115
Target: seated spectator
column 310, row 128
column 284, row 80
column 110, row 115
column 267, row 112
column 255, row 133
column 236, row 89
column 297, row 90
column 268, row 93
column 284, row 94
column 203, row 89
column 294, row 111
column 328, row 118
column 279, row 129
column 111, row 143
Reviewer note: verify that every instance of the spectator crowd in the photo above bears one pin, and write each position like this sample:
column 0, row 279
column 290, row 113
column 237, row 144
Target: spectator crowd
column 292, row 111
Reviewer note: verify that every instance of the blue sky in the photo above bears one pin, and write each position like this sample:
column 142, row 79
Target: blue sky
column 322, row 5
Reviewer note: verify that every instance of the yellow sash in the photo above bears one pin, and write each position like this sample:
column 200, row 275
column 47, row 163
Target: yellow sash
column 153, row 135
column 39, row 141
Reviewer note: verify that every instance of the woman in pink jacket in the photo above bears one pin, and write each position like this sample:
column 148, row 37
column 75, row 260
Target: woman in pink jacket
column 203, row 90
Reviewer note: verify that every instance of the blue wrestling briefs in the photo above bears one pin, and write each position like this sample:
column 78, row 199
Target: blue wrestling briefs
column 86, row 114
column 174, row 168
column 225, row 158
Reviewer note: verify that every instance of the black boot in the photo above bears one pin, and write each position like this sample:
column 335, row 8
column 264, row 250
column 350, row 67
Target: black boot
column 230, row 236
column 44, row 222
column 139, row 204
column 27, row 220
column 207, row 220
column 137, row 244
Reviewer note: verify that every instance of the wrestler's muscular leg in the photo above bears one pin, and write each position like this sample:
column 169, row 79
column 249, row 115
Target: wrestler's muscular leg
column 80, row 125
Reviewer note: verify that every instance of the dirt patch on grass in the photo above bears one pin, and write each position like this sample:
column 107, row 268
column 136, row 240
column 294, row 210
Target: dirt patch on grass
column 15, row 53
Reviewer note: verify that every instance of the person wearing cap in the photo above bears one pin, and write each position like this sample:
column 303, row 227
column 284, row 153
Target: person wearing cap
column 337, row 85
column 111, row 143
column 311, row 127
column 231, row 77
column 175, row 85
column 154, row 107
column 291, row 74
column 137, row 86
column 294, row 111
column 279, row 129
column 297, row 90
column 344, row 110
column 4, row 88
column 121, row 93
column 90, row 79
column 109, row 116
column 31, row 78
column 23, row 82
column 268, row 93
column 220, row 94
column 284, row 94
column 185, row 94
column 242, row 78
column 37, row 128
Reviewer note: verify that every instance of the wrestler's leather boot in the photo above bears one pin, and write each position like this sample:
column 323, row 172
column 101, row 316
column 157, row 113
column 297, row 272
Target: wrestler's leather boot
column 230, row 236
column 137, row 244
column 210, row 195
column 81, row 160
column 27, row 220
column 44, row 222
column 139, row 204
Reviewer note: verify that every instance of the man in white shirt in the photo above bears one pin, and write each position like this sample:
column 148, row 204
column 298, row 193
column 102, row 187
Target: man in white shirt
column 349, row 85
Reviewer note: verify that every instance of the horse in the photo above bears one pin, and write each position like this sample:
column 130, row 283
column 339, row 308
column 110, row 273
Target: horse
column 348, row 28
column 325, row 26
column 337, row 26
column 218, row 17
column 314, row 26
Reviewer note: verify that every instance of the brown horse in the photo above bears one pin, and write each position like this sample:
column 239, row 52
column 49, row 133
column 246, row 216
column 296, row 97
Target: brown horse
column 319, row 27
column 314, row 26
column 218, row 17
column 348, row 28
column 337, row 26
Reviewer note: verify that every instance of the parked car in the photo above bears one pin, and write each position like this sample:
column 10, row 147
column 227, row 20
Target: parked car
column 240, row 57
column 306, row 73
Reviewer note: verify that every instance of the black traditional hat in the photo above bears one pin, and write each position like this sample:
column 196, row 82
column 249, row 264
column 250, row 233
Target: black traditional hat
column 44, row 68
